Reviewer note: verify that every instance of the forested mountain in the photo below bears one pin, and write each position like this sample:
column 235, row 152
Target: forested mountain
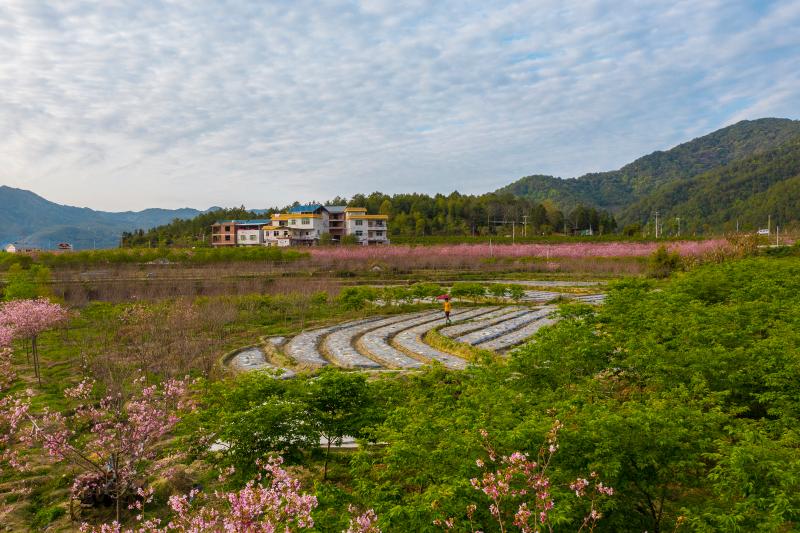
column 26, row 217
column 748, row 191
column 617, row 190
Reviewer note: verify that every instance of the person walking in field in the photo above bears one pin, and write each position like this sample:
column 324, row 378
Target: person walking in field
column 447, row 308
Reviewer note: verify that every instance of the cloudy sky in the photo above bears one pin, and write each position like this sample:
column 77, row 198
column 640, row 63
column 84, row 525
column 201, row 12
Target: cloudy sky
column 122, row 105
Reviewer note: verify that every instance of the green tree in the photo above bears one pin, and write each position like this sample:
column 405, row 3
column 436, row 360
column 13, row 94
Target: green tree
column 22, row 284
column 338, row 403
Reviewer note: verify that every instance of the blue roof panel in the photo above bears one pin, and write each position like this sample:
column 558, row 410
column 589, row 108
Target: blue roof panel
column 308, row 208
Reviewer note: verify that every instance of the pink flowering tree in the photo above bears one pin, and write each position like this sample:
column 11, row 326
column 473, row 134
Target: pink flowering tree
column 520, row 493
column 27, row 319
column 7, row 374
column 271, row 502
column 110, row 441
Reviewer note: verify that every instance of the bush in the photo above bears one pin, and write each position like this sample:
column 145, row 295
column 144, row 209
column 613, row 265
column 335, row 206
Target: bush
column 47, row 515
column 631, row 230
column 26, row 284
column 426, row 290
column 355, row 298
column 319, row 298
column 517, row 292
column 663, row 263
column 467, row 290
column 498, row 290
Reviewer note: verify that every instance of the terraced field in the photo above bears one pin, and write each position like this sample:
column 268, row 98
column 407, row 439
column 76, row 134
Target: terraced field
column 397, row 342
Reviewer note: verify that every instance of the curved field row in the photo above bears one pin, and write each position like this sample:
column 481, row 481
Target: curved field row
column 398, row 342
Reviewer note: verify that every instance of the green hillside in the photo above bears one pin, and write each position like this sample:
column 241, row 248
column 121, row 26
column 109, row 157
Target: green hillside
column 617, row 190
column 749, row 191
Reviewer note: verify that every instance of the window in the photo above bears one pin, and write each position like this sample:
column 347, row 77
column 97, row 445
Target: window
column 293, row 222
column 276, row 233
column 242, row 236
column 359, row 222
column 227, row 228
column 359, row 233
column 305, row 222
column 252, row 237
column 379, row 234
column 227, row 237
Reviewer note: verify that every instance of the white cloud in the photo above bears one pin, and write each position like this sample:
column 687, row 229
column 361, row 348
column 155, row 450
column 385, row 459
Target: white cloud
column 123, row 105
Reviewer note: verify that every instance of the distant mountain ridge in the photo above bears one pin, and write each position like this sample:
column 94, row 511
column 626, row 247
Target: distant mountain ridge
column 619, row 189
column 27, row 218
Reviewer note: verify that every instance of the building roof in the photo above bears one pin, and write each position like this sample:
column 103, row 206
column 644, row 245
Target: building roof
column 358, row 216
column 356, row 209
column 335, row 208
column 308, row 208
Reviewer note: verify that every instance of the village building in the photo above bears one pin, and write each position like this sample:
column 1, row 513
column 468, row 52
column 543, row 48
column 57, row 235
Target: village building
column 15, row 248
column 304, row 225
column 237, row 232
column 368, row 229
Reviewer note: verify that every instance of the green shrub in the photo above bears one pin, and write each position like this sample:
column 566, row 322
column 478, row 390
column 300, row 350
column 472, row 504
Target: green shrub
column 498, row 290
column 467, row 290
column 46, row 515
column 426, row 290
column 516, row 292
column 319, row 298
column 355, row 298
column 663, row 263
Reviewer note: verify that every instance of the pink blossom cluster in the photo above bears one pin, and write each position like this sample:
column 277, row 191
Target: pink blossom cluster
column 7, row 374
column 271, row 502
column 599, row 489
column 519, row 478
column 6, row 336
column 366, row 522
column 29, row 318
column 13, row 413
column 480, row 251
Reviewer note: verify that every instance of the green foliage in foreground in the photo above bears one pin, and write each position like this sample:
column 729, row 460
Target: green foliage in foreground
column 683, row 396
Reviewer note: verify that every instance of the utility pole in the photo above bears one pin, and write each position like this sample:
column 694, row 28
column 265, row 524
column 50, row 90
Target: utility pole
column 679, row 226
column 656, row 224
column 769, row 224
column 513, row 231
column 524, row 225
column 777, row 235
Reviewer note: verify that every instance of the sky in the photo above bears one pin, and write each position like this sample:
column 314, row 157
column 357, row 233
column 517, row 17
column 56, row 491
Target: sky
column 123, row 105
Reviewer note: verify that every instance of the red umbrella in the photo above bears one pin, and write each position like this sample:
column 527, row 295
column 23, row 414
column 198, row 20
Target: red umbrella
column 443, row 297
